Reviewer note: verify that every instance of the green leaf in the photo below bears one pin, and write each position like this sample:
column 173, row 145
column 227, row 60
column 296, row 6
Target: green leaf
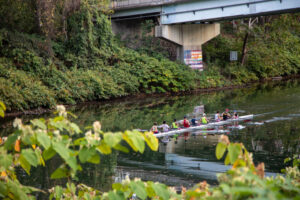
column 60, row 172
column 39, row 156
column 75, row 128
column 58, row 123
column 95, row 159
column 3, row 189
column 30, row 156
column 233, row 151
column 24, row 164
column 61, row 149
column 6, row 160
column 287, row 160
column 11, row 140
column 112, row 139
column 104, row 148
column 44, row 139
column 85, row 154
column 48, row 153
column 27, row 139
column 80, row 141
column 39, row 123
column 116, row 195
column 72, row 162
column 71, row 187
column 16, row 190
column 161, row 190
column 220, row 150
column 58, row 192
column 121, row 148
column 1, row 113
column 139, row 189
column 135, row 139
column 2, row 105
column 150, row 190
column 227, row 160
column 117, row 186
column 152, row 141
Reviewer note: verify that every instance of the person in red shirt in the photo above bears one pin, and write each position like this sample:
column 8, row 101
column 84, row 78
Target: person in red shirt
column 186, row 123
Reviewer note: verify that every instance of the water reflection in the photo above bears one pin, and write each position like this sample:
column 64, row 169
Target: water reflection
column 273, row 135
column 99, row 176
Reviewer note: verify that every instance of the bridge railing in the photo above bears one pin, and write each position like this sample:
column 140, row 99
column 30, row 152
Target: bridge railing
column 119, row 4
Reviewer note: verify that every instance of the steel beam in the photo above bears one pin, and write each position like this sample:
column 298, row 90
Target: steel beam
column 183, row 11
column 212, row 10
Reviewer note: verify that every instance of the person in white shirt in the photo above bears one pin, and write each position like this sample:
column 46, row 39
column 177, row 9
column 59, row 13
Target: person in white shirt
column 217, row 117
column 165, row 127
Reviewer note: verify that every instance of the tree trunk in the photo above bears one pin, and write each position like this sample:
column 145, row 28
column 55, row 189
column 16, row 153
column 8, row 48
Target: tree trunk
column 244, row 51
column 250, row 26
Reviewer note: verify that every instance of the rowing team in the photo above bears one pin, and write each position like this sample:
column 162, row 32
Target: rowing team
column 186, row 123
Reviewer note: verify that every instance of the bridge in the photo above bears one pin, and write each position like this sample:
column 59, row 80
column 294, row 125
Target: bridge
column 190, row 23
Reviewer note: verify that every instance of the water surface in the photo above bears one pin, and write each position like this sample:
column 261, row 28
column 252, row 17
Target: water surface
column 271, row 136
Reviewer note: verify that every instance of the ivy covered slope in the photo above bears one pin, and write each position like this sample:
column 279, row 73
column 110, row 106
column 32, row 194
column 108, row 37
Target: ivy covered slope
column 74, row 60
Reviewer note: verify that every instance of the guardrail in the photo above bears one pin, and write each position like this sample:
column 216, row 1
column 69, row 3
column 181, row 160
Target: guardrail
column 119, row 4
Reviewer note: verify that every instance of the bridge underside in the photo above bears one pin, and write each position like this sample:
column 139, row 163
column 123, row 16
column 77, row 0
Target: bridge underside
column 207, row 10
column 223, row 9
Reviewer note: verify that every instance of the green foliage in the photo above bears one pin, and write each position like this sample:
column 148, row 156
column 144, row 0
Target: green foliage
column 43, row 139
column 89, row 65
column 18, row 15
column 20, row 90
column 272, row 48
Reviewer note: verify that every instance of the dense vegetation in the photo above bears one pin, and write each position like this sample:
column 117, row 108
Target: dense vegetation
column 64, row 52
column 267, row 46
column 41, row 67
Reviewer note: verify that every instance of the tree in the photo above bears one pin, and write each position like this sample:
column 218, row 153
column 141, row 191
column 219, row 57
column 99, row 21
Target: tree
column 248, row 32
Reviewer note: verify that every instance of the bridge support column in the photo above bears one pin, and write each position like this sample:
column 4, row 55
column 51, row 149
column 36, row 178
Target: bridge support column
column 190, row 38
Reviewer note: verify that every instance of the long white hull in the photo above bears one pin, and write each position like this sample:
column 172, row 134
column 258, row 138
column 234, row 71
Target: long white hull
column 213, row 124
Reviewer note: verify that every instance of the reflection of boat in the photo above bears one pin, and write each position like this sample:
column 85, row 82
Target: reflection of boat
column 183, row 166
column 211, row 131
column 213, row 124
column 239, row 127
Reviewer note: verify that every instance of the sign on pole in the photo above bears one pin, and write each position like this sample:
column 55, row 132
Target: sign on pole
column 233, row 56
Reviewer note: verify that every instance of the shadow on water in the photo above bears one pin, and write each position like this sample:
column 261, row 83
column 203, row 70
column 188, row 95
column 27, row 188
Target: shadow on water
column 272, row 135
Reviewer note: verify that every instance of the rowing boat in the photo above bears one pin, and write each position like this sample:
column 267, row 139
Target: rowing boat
column 204, row 126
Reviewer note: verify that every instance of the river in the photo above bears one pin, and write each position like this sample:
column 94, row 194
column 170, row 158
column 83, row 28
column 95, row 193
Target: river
column 272, row 135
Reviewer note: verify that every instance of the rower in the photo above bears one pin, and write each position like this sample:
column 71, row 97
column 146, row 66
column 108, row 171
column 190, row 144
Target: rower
column 217, row 117
column 226, row 114
column 165, row 127
column 154, row 128
column 175, row 124
column 235, row 115
column 193, row 121
column 204, row 120
column 186, row 122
